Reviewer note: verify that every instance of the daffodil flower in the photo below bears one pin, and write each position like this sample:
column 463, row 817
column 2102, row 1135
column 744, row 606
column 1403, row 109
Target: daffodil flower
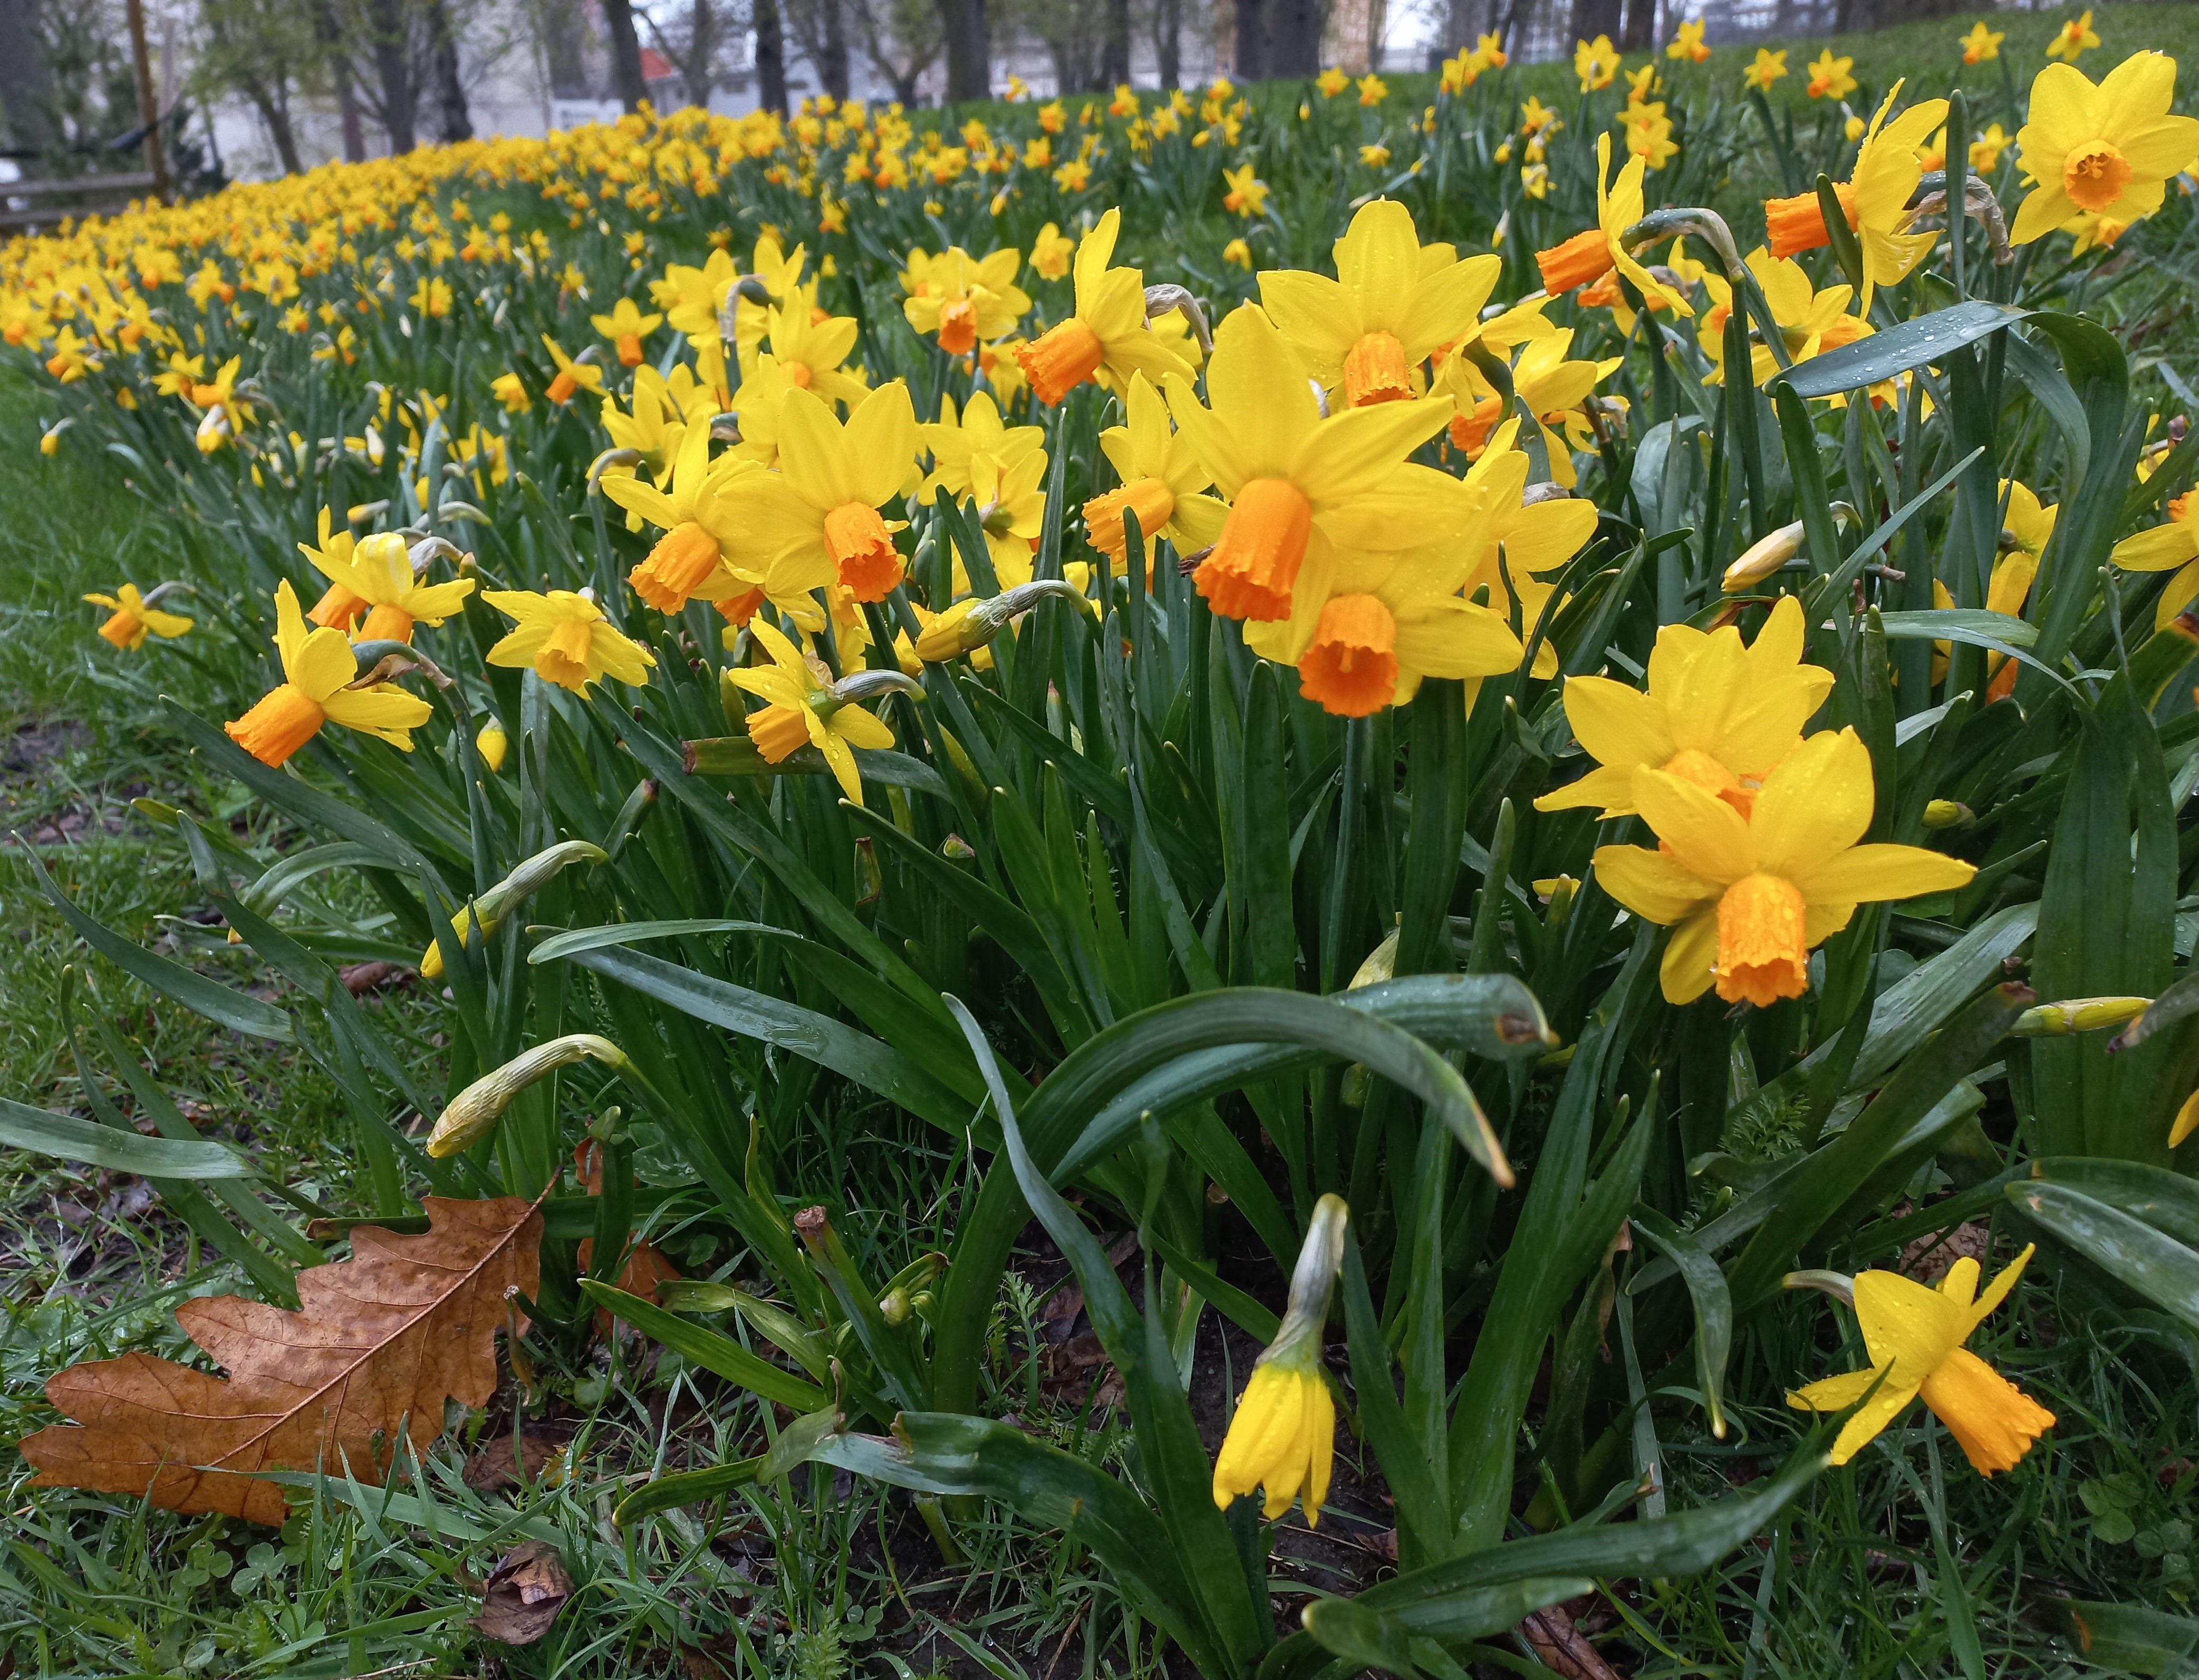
column 693, row 509
column 625, row 326
column 1106, row 337
column 2075, row 36
column 978, row 445
column 799, row 710
column 1748, row 897
column 574, row 373
column 131, row 618
column 378, row 573
column 959, row 298
column 2025, row 530
column 564, row 636
column 1393, row 303
column 1810, row 322
column 1521, row 540
column 1162, row 483
column 2172, row 546
column 2108, row 150
column 813, row 353
column 1394, row 620
column 1915, row 1335
column 817, row 518
column 1591, row 254
column 1981, row 43
column 1282, row 1436
column 1716, row 713
column 1300, row 483
column 318, row 669
column 1554, row 389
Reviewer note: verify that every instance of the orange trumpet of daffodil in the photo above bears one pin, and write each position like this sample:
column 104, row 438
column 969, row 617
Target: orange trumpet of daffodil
column 960, row 299
column 378, row 573
column 799, row 710
column 1748, row 897
column 1393, row 304
column 1915, row 1335
column 1107, row 336
column 130, row 620
column 1591, row 254
column 625, row 326
column 317, row 670
column 691, row 508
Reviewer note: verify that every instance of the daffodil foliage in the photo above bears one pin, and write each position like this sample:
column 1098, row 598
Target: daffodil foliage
column 1376, row 694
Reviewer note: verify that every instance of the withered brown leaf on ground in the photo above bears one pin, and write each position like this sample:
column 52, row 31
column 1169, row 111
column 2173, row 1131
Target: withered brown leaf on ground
column 1562, row 1648
column 381, row 1340
column 646, row 1265
column 524, row 1593
column 497, row 1465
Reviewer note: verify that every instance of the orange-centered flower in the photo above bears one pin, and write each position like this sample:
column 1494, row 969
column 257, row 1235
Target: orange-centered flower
column 958, row 327
column 684, row 557
column 856, row 538
column 1060, row 359
column 1150, row 498
column 1584, row 257
column 1375, row 370
column 1798, row 224
column 1351, row 666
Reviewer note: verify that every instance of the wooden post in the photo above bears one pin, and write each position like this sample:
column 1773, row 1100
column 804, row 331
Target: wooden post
column 148, row 110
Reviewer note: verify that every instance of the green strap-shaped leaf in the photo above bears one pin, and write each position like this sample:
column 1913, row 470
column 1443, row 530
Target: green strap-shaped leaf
column 707, row 1348
column 1714, row 1306
column 1350, row 1628
column 2162, row 1269
column 685, row 1487
column 1912, row 344
column 195, row 991
column 92, row 1145
column 2166, row 1200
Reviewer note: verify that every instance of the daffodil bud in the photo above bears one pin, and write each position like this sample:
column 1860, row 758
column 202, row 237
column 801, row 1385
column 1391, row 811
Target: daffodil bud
column 491, row 743
column 2186, row 1121
column 473, row 1112
column 971, row 624
column 2076, row 1015
column 1381, row 963
column 1769, row 553
column 1948, row 814
column 1159, row 300
column 1282, row 1436
column 499, row 902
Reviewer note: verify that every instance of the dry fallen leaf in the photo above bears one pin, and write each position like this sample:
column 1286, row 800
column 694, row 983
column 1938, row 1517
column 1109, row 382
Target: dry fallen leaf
column 382, row 1340
column 1562, row 1648
column 497, row 1465
column 525, row 1593
column 645, row 1266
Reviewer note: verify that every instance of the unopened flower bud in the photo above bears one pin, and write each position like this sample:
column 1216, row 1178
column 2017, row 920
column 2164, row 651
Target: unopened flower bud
column 473, row 1112
column 491, row 743
column 1948, row 814
column 971, row 624
column 500, row 901
column 1769, row 553
column 2076, row 1015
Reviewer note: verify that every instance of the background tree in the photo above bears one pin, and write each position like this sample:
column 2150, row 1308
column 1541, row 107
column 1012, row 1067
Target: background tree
column 695, row 44
column 820, row 26
column 625, row 54
column 770, row 55
column 266, row 51
column 902, row 39
column 968, row 43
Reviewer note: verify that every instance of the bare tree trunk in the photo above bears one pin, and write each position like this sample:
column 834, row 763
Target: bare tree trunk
column 1641, row 31
column 770, row 56
column 394, row 67
column 1252, row 39
column 274, row 111
column 457, row 124
column 331, row 37
column 1293, row 45
column 1592, row 18
column 21, row 114
column 626, row 54
column 1115, row 45
column 701, row 54
column 833, row 71
column 968, row 49
column 1168, row 41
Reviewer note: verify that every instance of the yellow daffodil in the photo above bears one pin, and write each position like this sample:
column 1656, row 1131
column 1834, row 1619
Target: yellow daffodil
column 1810, row 322
column 1246, row 196
column 1332, row 81
column 574, row 373
column 960, row 299
column 510, row 390
column 1372, row 89
column 2108, row 150
column 340, row 606
column 977, row 445
column 1298, row 483
column 1688, row 43
column 1595, row 63
column 1161, row 481
column 1830, row 78
column 799, row 710
column 1715, row 713
column 564, row 636
column 1554, row 389
column 1051, row 253
column 693, row 508
column 1981, row 43
column 625, row 326
column 816, row 520
column 131, row 618
column 2024, row 533
column 2074, row 37
column 1107, row 336
column 317, row 670
column 1748, row 897
column 1876, row 198
column 1283, row 1435
column 491, row 743
column 1522, row 539
column 691, row 298
column 1011, row 512
column 813, row 353
column 378, row 573
column 2172, row 546
column 1594, row 253
column 1985, row 149
column 1392, row 303
column 1768, row 68
column 1237, row 251
column 1914, row 1335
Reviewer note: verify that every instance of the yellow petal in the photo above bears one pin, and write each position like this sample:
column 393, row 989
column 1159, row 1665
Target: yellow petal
column 1616, row 723
column 1690, row 959
column 1906, row 1322
column 1870, row 874
column 1997, row 1290
column 1814, row 805
column 1706, row 834
column 1652, row 884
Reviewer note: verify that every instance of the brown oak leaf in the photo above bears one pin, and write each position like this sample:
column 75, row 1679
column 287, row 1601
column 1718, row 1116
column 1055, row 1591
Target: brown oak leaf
column 525, row 1592
column 646, row 1265
column 381, row 1341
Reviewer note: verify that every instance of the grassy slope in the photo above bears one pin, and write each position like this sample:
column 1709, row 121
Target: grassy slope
column 1848, row 1588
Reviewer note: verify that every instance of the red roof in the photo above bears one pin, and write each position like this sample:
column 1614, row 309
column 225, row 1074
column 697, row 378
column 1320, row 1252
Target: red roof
column 655, row 66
